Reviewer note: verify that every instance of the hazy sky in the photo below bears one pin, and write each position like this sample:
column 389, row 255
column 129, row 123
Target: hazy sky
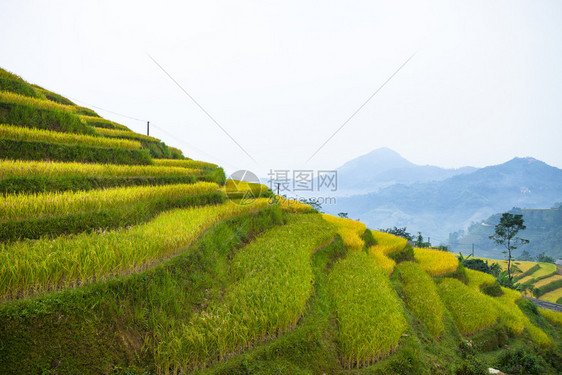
column 484, row 86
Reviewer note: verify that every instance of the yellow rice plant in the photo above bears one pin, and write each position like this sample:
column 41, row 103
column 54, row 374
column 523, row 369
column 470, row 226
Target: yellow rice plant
column 436, row 262
column 477, row 279
column 184, row 163
column 11, row 97
column 422, row 297
column 470, row 310
column 92, row 120
column 119, row 133
column 175, row 150
column 368, row 312
column 41, row 135
column 32, row 267
column 349, row 230
column 386, row 244
column 274, row 280
column 20, row 168
column 538, row 336
column 547, row 281
column 386, row 263
column 23, row 206
column 553, row 296
column 554, row 316
column 509, row 312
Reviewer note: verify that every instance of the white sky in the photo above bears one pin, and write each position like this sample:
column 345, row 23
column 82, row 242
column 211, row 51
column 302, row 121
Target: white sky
column 484, row 86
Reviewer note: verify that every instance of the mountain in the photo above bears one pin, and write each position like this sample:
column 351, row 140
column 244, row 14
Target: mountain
column 384, row 167
column 438, row 208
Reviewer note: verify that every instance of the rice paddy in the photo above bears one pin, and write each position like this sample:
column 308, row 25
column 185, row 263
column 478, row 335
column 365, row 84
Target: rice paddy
column 20, row 168
column 436, row 262
column 32, row 267
column 368, row 311
column 42, row 135
column 273, row 281
column 21, row 206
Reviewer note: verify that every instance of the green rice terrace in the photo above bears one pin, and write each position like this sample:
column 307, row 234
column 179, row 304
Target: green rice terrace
column 120, row 255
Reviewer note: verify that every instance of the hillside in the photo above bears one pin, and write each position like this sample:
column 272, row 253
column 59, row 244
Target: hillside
column 544, row 231
column 441, row 207
column 120, row 255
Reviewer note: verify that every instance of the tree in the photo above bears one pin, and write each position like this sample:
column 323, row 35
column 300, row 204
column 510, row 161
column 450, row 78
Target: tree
column 400, row 232
column 505, row 234
column 314, row 203
column 543, row 258
column 525, row 256
column 343, row 215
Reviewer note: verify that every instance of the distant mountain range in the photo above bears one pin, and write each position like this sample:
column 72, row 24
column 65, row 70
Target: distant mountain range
column 383, row 167
column 439, row 201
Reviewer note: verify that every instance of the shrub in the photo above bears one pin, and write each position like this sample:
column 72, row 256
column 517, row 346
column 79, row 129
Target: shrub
column 520, row 361
column 493, row 290
column 406, row 254
column 368, row 239
column 477, row 265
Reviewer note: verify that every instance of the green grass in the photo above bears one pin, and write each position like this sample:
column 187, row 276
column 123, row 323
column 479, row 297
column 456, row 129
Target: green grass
column 422, row 298
column 363, row 298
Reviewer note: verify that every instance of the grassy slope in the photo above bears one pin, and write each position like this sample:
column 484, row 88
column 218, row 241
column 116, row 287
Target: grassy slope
column 123, row 325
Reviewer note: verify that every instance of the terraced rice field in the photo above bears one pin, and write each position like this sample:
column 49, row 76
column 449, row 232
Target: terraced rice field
column 30, row 267
column 436, row 262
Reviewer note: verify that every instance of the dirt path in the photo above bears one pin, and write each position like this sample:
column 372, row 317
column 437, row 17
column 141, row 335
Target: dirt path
column 546, row 304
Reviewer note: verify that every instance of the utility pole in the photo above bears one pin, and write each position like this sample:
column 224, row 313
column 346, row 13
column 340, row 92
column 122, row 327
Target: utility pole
column 278, row 189
column 148, row 128
column 472, row 249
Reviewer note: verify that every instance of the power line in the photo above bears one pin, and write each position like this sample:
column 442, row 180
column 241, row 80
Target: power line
column 175, row 137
